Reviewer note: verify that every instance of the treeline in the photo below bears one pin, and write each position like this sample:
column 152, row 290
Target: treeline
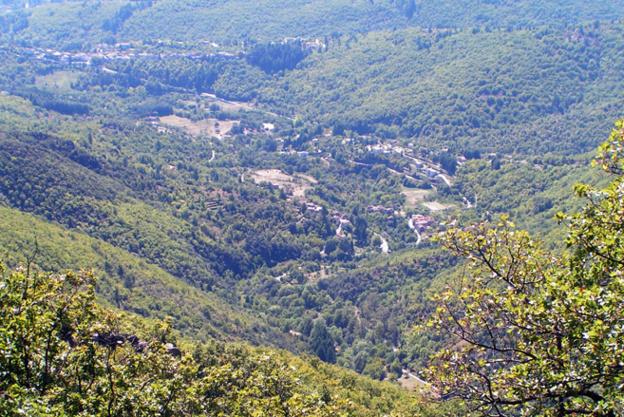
column 531, row 190
column 51, row 102
column 167, row 20
column 407, row 7
column 13, row 22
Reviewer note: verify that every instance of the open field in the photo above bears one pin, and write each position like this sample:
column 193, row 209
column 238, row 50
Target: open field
column 298, row 183
column 414, row 196
column 61, row 80
column 409, row 383
column 318, row 275
column 435, row 206
column 207, row 127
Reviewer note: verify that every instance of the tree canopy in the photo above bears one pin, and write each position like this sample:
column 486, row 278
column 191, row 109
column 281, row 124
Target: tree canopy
column 539, row 332
column 64, row 355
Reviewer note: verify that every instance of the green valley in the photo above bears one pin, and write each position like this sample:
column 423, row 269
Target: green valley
column 276, row 184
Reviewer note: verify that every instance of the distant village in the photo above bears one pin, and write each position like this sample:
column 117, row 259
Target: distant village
column 117, row 52
column 125, row 51
column 102, row 53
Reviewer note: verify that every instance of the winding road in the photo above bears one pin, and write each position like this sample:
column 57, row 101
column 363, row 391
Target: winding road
column 385, row 248
column 446, row 180
column 410, row 223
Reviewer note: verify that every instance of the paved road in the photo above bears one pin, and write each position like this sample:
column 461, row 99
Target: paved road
column 446, row 180
column 411, row 375
column 384, row 244
column 410, row 223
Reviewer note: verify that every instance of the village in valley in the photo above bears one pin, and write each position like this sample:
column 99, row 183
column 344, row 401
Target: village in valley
column 417, row 211
column 422, row 214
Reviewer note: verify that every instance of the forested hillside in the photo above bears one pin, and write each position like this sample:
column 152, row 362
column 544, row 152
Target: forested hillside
column 492, row 90
column 236, row 21
column 279, row 173
column 67, row 356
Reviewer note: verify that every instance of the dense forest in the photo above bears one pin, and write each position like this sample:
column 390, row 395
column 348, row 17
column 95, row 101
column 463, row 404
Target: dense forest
column 237, row 21
column 279, row 175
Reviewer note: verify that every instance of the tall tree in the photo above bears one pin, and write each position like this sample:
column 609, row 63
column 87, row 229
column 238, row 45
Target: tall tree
column 322, row 343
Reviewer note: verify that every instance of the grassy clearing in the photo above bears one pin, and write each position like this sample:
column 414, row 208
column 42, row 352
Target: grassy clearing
column 202, row 128
column 298, row 184
column 414, row 197
column 59, row 80
column 435, row 206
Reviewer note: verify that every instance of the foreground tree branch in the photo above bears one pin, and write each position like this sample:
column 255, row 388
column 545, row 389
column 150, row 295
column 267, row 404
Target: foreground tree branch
column 536, row 333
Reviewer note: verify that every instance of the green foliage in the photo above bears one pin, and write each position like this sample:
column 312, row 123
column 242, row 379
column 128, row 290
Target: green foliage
column 153, row 293
column 235, row 21
column 64, row 355
column 500, row 91
column 322, row 343
column 114, row 23
column 116, row 166
column 52, row 363
column 276, row 57
column 157, row 77
column 537, row 331
column 48, row 101
column 530, row 190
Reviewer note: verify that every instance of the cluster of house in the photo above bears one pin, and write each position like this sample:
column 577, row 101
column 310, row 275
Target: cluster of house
column 313, row 207
column 124, row 51
column 305, row 43
column 384, row 148
column 422, row 223
column 118, row 52
column 64, row 58
column 154, row 121
column 428, row 168
column 388, row 211
column 380, row 209
column 339, row 218
column 301, row 154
